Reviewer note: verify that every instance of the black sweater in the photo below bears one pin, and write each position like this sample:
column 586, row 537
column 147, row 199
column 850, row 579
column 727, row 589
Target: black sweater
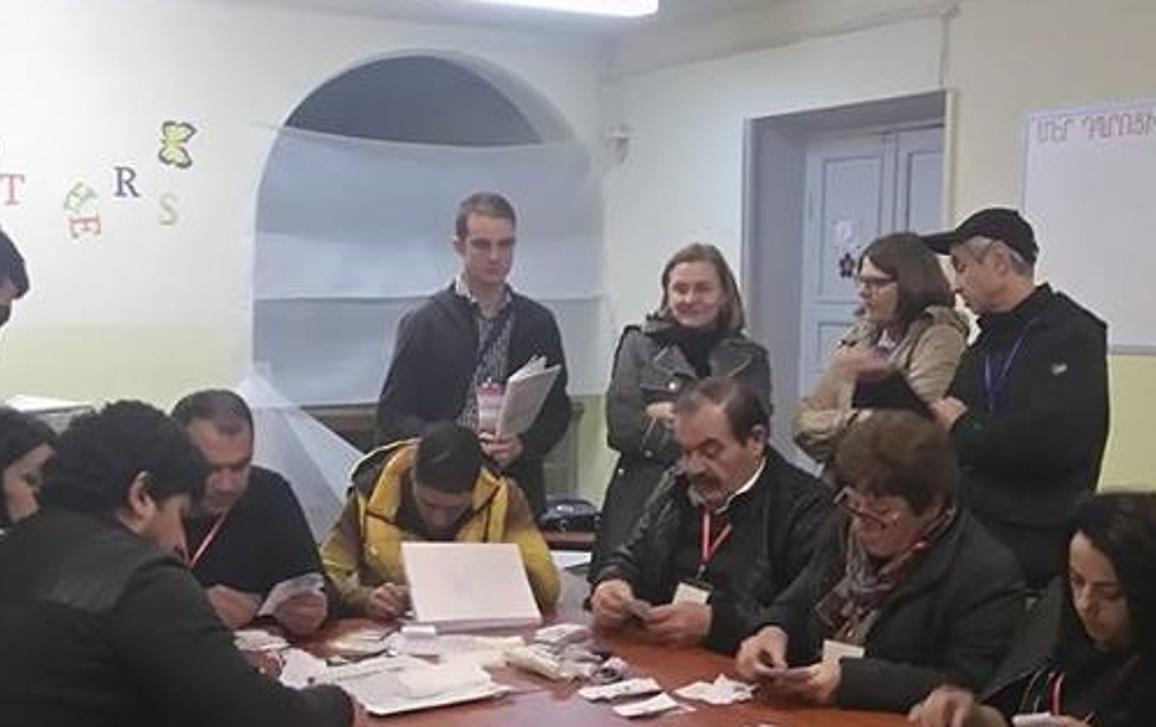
column 100, row 628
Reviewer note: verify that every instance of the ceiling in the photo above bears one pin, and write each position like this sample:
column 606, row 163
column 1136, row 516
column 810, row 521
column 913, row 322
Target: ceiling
column 474, row 13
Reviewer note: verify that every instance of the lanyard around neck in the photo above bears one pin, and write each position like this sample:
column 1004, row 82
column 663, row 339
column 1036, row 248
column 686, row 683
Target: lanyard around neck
column 209, row 537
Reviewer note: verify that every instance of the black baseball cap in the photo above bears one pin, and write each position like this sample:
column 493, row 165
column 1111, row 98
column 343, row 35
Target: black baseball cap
column 996, row 223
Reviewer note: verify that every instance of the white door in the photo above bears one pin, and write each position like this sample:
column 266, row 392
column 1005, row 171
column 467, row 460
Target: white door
column 858, row 188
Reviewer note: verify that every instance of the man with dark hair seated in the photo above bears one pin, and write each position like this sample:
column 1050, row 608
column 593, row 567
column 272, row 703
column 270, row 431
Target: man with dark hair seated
column 906, row 591
column 13, row 276
column 249, row 532
column 724, row 532
column 435, row 489
column 100, row 624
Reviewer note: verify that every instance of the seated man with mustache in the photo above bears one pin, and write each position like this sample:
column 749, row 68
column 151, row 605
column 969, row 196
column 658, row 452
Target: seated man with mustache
column 727, row 529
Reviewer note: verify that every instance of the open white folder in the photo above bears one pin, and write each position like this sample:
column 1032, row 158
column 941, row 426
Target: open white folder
column 526, row 392
column 468, row 586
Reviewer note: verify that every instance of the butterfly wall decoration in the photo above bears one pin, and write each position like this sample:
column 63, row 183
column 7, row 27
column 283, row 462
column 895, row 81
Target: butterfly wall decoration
column 174, row 136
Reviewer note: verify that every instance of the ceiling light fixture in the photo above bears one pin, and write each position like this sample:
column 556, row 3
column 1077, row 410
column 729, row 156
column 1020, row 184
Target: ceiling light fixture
column 623, row 8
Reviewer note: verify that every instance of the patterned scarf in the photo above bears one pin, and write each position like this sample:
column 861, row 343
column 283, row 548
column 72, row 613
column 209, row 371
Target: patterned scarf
column 849, row 611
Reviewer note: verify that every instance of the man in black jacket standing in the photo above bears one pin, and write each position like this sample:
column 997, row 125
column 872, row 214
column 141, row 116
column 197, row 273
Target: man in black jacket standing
column 475, row 333
column 1028, row 408
column 723, row 534
column 100, row 624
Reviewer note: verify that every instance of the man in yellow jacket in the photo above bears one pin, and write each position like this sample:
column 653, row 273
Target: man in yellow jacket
column 436, row 489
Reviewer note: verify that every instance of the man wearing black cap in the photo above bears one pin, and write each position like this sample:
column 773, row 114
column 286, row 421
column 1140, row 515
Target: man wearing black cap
column 436, row 489
column 1028, row 408
column 13, row 276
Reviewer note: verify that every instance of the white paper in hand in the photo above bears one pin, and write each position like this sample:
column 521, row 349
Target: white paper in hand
column 526, row 392
column 290, row 587
column 464, row 586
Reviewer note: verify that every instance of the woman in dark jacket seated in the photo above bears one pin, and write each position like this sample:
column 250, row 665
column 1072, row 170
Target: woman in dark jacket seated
column 1087, row 655
column 696, row 332
column 906, row 592
column 25, row 444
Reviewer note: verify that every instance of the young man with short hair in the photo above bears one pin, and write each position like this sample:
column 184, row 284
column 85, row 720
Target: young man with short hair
column 477, row 330
column 434, row 489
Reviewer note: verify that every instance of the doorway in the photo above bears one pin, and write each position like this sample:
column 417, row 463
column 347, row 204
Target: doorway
column 822, row 185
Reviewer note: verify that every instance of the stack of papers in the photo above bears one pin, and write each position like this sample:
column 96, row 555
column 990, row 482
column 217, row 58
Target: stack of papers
column 469, row 586
column 393, row 684
column 369, row 640
column 526, row 392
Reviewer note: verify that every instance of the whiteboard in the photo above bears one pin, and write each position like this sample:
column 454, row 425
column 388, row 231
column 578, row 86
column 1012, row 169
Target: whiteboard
column 1089, row 189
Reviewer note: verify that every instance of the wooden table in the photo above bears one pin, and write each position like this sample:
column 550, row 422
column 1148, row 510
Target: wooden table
column 536, row 700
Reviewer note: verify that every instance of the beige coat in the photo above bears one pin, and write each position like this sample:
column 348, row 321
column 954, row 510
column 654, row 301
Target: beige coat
column 927, row 355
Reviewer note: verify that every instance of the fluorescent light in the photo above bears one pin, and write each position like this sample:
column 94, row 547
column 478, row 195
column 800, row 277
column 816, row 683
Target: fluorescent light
column 625, row 8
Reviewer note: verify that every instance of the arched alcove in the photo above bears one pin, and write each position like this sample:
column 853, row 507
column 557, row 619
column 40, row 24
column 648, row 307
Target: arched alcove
column 355, row 214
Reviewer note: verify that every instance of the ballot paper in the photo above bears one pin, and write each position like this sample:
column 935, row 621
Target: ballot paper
column 647, row 707
column 836, row 650
column 619, row 690
column 525, row 393
column 300, row 669
column 258, row 640
column 368, row 640
column 290, row 587
column 561, row 634
column 469, row 586
column 722, row 690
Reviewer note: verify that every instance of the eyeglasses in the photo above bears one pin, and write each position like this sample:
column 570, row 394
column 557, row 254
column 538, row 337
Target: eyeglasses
column 858, row 506
column 873, row 283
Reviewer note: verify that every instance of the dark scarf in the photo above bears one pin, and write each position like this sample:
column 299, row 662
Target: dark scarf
column 696, row 344
column 851, row 608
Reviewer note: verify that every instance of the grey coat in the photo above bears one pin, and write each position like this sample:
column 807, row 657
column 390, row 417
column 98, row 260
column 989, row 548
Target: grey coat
column 647, row 371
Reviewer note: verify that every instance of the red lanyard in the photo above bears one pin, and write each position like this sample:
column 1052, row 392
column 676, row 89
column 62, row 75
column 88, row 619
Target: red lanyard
column 1057, row 701
column 1057, row 690
column 209, row 536
column 709, row 546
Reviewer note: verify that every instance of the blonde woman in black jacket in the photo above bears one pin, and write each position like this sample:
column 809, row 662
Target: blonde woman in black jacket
column 697, row 332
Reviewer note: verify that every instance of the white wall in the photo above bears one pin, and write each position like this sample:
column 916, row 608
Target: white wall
column 146, row 310
column 684, row 178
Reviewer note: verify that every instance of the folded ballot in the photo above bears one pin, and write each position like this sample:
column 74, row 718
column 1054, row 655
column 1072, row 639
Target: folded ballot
column 290, row 587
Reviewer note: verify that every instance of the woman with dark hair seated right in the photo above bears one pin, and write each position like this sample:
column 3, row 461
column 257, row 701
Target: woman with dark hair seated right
column 25, row 444
column 1087, row 655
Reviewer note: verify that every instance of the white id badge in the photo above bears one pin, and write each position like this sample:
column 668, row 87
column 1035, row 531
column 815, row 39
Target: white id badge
column 690, row 593
column 836, row 650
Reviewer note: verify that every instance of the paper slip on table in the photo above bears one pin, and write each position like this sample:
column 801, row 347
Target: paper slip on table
column 536, row 700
